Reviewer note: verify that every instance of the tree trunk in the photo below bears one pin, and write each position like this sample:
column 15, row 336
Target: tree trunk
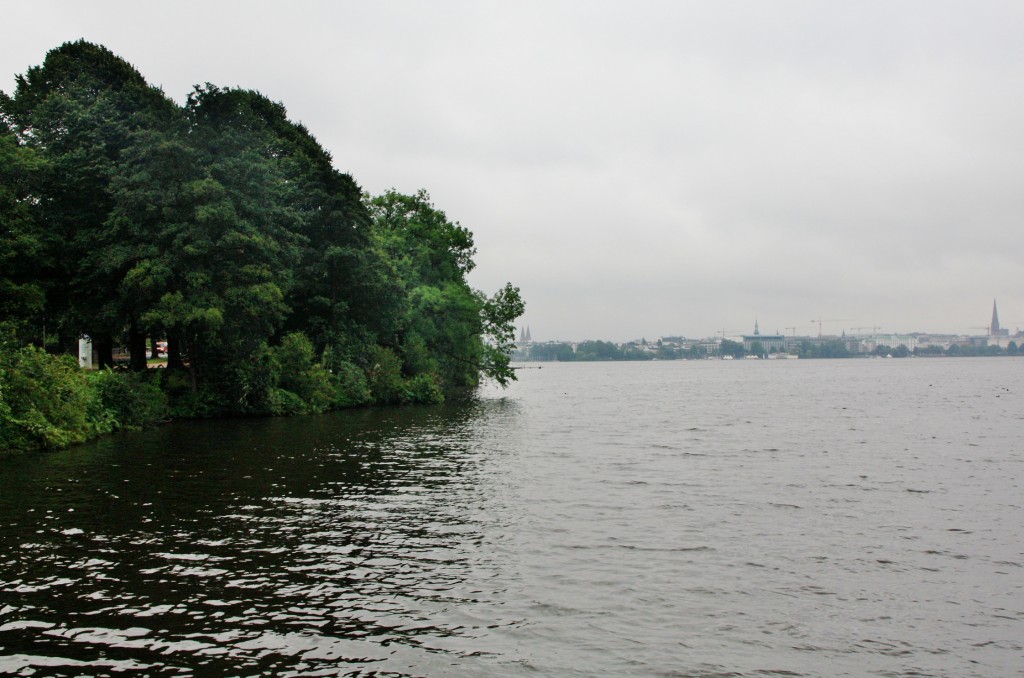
column 104, row 347
column 137, row 348
column 174, row 360
column 64, row 345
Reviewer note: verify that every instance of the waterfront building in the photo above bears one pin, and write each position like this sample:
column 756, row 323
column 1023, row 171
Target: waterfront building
column 943, row 341
column 909, row 341
column 770, row 343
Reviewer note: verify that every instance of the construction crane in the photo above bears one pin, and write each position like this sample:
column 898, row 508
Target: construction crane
column 828, row 320
column 874, row 329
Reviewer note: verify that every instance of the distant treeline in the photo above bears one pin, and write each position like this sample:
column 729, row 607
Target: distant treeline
column 605, row 350
column 222, row 228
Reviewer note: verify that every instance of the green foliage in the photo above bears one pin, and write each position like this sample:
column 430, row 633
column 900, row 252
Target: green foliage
column 384, row 377
column 21, row 292
column 201, row 403
column 499, row 314
column 47, row 402
column 351, row 388
column 425, row 389
column 833, row 348
column 133, row 400
column 222, row 227
column 444, row 327
column 972, row 351
column 248, row 381
column 598, row 350
column 561, row 352
column 281, row 402
column 79, row 112
column 733, row 348
column 302, row 376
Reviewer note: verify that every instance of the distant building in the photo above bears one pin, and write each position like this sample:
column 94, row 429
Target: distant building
column 770, row 343
column 943, row 341
column 908, row 341
column 994, row 329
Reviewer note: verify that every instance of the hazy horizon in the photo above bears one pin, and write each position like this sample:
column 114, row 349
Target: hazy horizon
column 650, row 169
column 832, row 329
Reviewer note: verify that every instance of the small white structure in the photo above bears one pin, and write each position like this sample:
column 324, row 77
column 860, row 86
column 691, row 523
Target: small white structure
column 85, row 352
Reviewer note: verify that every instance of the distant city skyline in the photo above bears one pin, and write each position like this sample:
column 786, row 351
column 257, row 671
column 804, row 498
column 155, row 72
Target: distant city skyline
column 994, row 328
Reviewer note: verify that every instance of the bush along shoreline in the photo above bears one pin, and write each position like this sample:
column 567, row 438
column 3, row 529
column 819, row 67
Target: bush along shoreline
column 222, row 228
column 47, row 402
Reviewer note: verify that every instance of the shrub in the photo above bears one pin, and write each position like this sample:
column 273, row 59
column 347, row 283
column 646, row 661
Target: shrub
column 175, row 382
column 384, row 376
column 201, row 404
column 247, row 382
column 284, row 402
column 350, row 386
column 132, row 400
column 301, row 375
column 425, row 389
column 47, row 402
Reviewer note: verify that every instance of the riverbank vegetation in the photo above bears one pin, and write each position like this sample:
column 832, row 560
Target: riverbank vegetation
column 222, row 228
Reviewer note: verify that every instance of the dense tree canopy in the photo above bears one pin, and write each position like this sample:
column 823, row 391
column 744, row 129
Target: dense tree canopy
column 223, row 228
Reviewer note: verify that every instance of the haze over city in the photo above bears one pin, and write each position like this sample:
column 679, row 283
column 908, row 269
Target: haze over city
column 648, row 168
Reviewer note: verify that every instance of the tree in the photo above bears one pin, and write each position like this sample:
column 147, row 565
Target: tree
column 442, row 326
column 22, row 291
column 224, row 227
column 499, row 332
column 79, row 111
column 733, row 348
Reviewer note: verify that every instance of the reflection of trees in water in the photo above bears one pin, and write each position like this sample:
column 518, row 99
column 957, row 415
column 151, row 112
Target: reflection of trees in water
column 252, row 544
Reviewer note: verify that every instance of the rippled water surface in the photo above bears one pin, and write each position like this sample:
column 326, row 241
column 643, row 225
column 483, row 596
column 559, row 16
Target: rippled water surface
column 676, row 519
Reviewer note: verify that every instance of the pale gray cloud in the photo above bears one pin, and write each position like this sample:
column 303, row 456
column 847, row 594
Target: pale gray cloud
column 648, row 168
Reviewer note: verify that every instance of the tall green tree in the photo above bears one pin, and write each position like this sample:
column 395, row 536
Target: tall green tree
column 224, row 227
column 22, row 291
column 446, row 328
column 79, row 111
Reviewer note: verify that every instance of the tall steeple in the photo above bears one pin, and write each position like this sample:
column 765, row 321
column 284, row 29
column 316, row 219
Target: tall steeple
column 757, row 330
column 994, row 328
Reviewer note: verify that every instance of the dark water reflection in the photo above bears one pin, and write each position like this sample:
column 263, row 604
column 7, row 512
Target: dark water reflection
column 839, row 518
column 270, row 546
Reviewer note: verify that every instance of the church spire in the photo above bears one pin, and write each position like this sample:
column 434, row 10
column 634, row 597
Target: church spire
column 994, row 328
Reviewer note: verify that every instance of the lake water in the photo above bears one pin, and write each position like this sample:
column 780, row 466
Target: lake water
column 752, row 518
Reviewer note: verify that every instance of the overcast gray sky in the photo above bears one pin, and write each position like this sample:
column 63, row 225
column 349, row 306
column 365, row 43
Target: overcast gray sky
column 642, row 169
